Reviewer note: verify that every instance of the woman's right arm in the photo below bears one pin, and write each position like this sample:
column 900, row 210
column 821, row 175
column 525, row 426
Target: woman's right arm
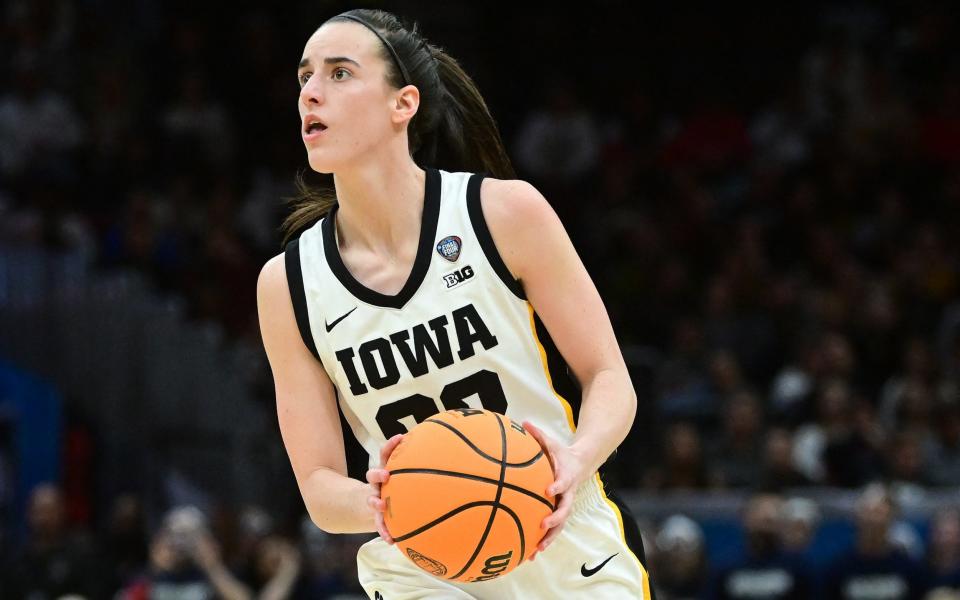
column 308, row 415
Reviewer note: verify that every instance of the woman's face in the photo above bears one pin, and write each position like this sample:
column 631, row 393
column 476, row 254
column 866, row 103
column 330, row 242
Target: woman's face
column 343, row 85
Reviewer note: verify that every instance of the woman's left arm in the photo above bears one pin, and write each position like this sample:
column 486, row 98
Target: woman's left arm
column 537, row 250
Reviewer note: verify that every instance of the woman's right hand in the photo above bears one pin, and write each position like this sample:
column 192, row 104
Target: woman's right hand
column 376, row 478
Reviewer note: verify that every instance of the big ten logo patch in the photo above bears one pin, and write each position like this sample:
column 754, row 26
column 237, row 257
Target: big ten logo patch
column 458, row 276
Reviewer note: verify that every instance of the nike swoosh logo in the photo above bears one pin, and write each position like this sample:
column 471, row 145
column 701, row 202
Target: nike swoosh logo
column 334, row 324
column 588, row 572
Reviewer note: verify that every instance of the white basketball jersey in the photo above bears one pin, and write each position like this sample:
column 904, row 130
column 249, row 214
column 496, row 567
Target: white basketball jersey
column 459, row 334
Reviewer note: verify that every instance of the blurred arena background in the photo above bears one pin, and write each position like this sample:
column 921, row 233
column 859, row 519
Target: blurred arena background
column 768, row 201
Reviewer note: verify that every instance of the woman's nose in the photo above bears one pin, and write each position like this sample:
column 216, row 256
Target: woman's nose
column 311, row 93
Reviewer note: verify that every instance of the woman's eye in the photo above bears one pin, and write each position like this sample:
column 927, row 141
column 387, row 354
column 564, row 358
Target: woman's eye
column 302, row 78
column 340, row 70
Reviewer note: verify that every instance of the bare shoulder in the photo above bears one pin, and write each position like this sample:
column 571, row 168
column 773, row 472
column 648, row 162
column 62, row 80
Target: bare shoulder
column 278, row 326
column 520, row 220
column 273, row 279
column 513, row 202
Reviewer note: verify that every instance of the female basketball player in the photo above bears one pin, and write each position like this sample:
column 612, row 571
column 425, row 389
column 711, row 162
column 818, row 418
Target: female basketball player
column 427, row 286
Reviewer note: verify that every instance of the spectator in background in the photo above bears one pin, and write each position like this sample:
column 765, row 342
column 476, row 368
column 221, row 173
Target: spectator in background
column 810, row 440
column 906, row 467
column 914, row 412
column 733, row 457
column 325, row 569
column 682, row 467
column 801, row 518
column 185, row 562
column 53, row 561
column 779, row 472
column 195, row 121
column 780, row 132
column 679, row 561
column 125, row 541
column 944, row 463
column 794, row 384
column 881, row 126
column 833, row 74
column 683, row 390
column 278, row 570
column 558, row 141
column 712, row 137
column 842, row 447
column 943, row 552
column 253, row 526
column 726, row 381
column 942, row 594
column 38, row 129
column 766, row 571
column 875, row 568
column 899, row 403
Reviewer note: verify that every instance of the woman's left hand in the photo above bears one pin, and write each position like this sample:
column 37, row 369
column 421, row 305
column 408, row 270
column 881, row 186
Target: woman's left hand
column 569, row 470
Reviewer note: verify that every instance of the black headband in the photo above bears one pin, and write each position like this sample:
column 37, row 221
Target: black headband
column 396, row 57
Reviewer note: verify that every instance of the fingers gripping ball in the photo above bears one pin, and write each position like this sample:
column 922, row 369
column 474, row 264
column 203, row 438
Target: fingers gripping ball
column 467, row 494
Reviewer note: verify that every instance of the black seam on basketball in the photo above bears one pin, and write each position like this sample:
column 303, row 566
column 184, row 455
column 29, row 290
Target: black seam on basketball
column 496, row 500
column 438, row 520
column 474, row 447
column 509, row 486
column 526, row 463
column 516, row 519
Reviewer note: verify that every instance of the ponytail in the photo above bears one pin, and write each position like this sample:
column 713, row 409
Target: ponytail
column 466, row 138
column 453, row 129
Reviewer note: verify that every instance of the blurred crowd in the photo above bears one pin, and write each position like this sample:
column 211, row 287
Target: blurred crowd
column 769, row 205
column 187, row 555
column 246, row 553
column 885, row 558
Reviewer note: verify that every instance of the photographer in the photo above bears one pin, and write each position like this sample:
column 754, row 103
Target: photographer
column 185, row 562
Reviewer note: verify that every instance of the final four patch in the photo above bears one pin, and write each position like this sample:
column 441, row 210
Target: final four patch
column 449, row 248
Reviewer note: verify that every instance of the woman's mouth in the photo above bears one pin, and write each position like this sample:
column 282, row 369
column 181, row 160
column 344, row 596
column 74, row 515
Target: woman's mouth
column 313, row 130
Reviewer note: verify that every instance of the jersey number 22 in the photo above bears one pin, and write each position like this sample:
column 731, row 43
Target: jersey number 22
column 485, row 384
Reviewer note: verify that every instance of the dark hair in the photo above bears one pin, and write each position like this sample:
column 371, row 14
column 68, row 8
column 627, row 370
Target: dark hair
column 452, row 130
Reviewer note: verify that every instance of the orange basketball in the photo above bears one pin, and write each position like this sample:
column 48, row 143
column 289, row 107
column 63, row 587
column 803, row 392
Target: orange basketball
column 467, row 494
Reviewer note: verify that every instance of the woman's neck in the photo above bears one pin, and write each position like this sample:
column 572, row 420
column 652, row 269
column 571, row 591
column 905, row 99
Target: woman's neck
column 380, row 205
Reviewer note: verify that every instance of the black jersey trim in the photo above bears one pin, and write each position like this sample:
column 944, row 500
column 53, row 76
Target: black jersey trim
column 355, row 454
column 631, row 531
column 564, row 385
column 475, row 210
column 291, row 256
column 428, row 231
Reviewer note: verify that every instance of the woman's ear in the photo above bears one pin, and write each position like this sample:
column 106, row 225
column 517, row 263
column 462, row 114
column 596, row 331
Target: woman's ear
column 406, row 103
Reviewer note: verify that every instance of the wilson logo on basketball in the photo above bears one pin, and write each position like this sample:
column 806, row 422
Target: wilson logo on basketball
column 494, row 566
column 426, row 563
column 467, row 487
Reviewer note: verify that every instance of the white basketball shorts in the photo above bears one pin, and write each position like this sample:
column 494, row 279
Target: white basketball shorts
column 598, row 556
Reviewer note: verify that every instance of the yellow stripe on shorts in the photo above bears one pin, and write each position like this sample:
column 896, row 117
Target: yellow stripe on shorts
column 623, row 536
